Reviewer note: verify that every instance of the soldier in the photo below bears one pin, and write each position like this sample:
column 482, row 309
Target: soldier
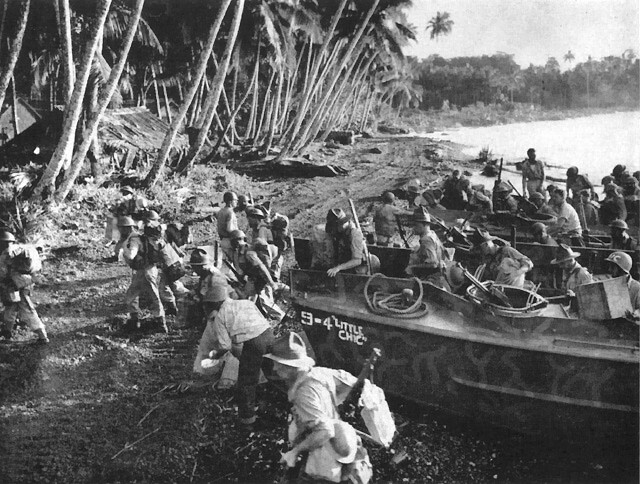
column 620, row 265
column 568, row 223
column 385, row 219
column 427, row 261
column 413, row 192
column 131, row 204
column 576, row 183
column 502, row 199
column 533, row 176
column 613, row 206
column 17, row 265
column 543, row 207
column 587, row 211
column 315, row 428
column 540, row 235
column 573, row 274
column 126, row 226
column 227, row 222
column 282, row 239
column 209, row 276
column 140, row 253
column 619, row 174
column 454, row 197
column 259, row 223
column 503, row 264
column 239, row 327
column 620, row 239
column 349, row 244
column 480, row 200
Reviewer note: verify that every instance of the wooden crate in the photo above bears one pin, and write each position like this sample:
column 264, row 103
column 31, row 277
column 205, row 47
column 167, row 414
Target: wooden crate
column 606, row 299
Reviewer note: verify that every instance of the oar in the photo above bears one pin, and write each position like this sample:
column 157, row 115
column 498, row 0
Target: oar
column 493, row 293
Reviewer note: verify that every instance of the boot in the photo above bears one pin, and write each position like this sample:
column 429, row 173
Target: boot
column 42, row 336
column 171, row 309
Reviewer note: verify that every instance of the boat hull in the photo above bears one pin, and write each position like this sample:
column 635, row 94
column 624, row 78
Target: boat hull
column 561, row 388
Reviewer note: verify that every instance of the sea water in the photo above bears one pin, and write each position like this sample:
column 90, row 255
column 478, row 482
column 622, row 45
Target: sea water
column 595, row 144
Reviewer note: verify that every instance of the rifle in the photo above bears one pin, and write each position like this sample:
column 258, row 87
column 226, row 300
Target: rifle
column 235, row 272
column 356, row 389
column 357, row 222
column 495, row 295
column 402, row 233
column 524, row 200
column 500, row 172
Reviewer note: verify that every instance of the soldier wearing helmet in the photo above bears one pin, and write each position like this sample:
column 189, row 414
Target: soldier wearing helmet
column 543, row 208
column 454, row 191
column 131, row 204
column 258, row 217
column 503, row 201
column 282, row 239
column 17, row 263
column 385, row 219
column 613, row 206
column 576, row 183
column 413, row 191
column 209, row 276
column 533, row 176
column 539, row 232
column 227, row 222
column 620, row 239
column 620, row 266
column 619, row 174
column 427, row 261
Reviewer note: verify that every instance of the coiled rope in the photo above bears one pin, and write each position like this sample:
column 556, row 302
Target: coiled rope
column 397, row 305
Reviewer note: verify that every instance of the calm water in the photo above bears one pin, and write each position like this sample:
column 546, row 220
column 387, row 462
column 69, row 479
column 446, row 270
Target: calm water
column 594, row 144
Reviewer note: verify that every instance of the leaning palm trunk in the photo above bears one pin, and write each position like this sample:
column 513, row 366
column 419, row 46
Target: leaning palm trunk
column 14, row 48
column 69, row 69
column 74, row 108
column 218, row 83
column 367, row 109
column 329, row 90
column 274, row 117
column 265, row 103
column 14, row 108
column 3, row 19
column 303, row 105
column 158, row 166
column 92, row 126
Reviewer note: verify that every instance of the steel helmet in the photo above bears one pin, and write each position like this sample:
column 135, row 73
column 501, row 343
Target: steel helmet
column 621, row 259
column 388, row 197
column 151, row 215
column 126, row 189
column 572, row 171
column 237, row 234
column 6, row 236
column 229, row 197
column 538, row 228
column 619, row 224
column 125, row 221
column 618, row 170
column 199, row 257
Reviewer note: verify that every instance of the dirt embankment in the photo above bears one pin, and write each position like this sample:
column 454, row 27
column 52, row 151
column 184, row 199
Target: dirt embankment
column 97, row 405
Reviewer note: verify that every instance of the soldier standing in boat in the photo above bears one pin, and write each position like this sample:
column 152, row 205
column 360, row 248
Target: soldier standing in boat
column 427, row 261
column 326, row 444
column 573, row 274
column 349, row 245
column 620, row 239
column 503, row 264
column 385, row 219
column 620, row 265
column 576, row 183
column 533, row 176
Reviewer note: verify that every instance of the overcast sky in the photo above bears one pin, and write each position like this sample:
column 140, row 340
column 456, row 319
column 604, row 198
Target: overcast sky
column 533, row 30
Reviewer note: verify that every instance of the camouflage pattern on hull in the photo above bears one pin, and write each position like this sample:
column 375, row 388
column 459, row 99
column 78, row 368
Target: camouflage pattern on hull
column 544, row 379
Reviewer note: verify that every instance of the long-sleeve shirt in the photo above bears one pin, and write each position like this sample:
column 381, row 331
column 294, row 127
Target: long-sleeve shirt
column 430, row 254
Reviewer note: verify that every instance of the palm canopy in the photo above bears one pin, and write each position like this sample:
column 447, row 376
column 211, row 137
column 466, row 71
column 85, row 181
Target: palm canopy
column 439, row 25
column 569, row 57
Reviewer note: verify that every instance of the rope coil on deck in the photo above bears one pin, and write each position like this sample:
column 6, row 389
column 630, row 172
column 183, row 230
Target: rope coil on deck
column 396, row 305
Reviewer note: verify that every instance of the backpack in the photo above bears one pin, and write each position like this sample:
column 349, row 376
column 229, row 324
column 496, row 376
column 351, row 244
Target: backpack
column 26, row 260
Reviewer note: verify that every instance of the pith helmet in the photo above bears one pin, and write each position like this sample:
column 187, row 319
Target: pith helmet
column 420, row 214
column 7, row 236
column 290, row 350
column 199, row 257
column 621, row 259
column 619, row 224
column 125, row 221
column 564, row 253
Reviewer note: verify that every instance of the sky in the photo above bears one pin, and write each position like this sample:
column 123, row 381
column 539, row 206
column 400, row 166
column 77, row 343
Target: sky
column 532, row 30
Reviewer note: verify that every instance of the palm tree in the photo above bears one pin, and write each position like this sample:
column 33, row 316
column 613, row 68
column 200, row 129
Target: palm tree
column 439, row 25
column 72, row 113
column 92, row 126
column 67, row 52
column 6, row 73
column 569, row 57
column 196, row 80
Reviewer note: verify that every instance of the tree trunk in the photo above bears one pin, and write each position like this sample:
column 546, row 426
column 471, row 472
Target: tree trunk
column 69, row 69
column 302, row 109
column 345, row 59
column 267, row 97
column 158, row 166
column 74, row 108
column 91, row 129
column 3, row 19
column 14, row 108
column 218, row 82
column 254, row 99
column 156, row 92
column 14, row 49
column 274, row 117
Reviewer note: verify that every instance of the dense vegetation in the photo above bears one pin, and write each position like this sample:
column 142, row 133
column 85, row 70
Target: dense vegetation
column 264, row 76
